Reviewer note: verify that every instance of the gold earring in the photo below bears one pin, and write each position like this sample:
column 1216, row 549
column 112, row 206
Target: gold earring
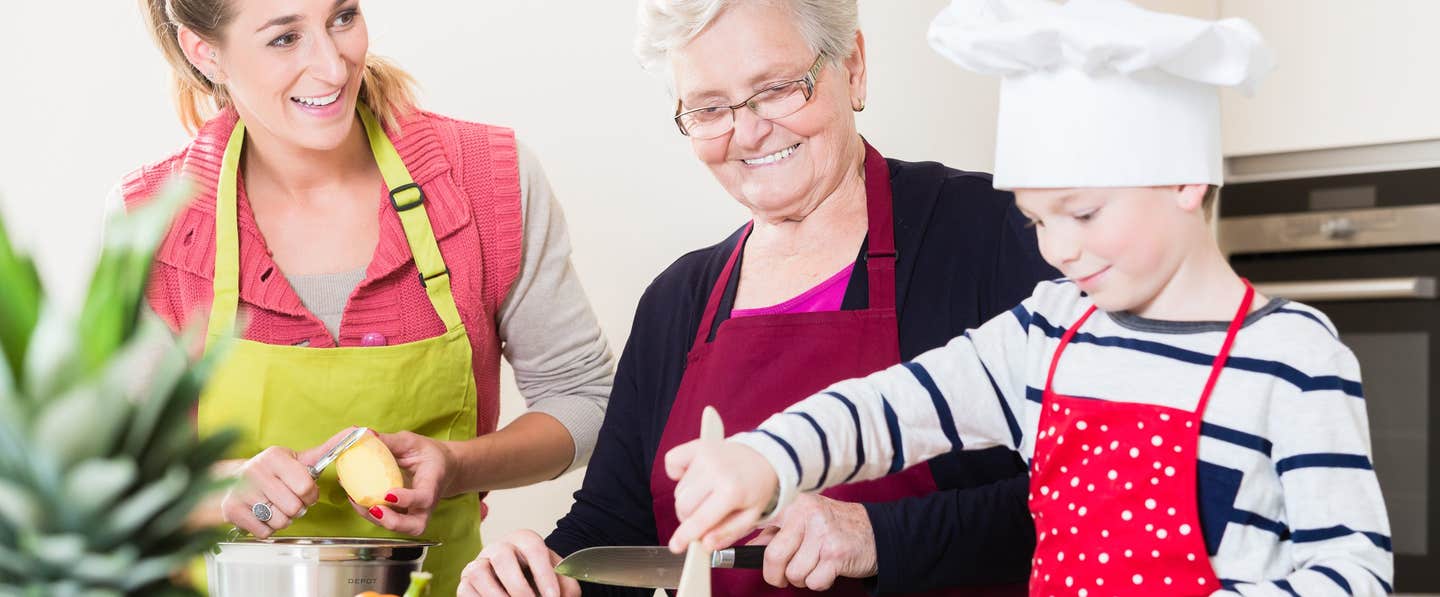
column 859, row 108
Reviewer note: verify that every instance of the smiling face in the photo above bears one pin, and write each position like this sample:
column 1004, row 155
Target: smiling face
column 789, row 165
column 1122, row 246
column 293, row 68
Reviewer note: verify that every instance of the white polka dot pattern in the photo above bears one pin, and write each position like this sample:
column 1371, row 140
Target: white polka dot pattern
column 1140, row 498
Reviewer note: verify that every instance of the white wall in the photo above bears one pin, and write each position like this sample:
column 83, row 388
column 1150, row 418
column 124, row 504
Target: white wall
column 1350, row 73
column 85, row 100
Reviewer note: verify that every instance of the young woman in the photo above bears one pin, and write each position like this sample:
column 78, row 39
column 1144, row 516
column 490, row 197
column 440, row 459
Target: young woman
column 371, row 262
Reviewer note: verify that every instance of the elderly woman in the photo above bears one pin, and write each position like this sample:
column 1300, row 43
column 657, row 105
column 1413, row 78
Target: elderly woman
column 850, row 262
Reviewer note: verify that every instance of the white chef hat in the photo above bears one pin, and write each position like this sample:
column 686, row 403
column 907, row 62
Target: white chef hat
column 1102, row 93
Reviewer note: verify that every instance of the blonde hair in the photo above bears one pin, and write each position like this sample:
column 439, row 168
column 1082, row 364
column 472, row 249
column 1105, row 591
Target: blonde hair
column 828, row 26
column 386, row 88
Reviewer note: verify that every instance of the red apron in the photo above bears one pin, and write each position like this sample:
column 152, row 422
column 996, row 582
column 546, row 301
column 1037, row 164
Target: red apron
column 1112, row 490
column 758, row 366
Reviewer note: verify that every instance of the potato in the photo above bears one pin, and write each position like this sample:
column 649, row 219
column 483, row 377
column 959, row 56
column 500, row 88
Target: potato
column 368, row 471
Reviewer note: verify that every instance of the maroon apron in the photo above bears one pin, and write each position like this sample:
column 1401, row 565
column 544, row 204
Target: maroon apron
column 758, row 366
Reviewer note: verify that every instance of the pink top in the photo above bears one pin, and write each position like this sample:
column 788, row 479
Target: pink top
column 470, row 175
column 826, row 296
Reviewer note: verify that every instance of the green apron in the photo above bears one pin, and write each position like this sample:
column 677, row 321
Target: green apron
column 298, row 397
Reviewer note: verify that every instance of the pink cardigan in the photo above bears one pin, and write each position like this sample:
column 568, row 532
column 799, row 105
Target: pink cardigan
column 470, row 175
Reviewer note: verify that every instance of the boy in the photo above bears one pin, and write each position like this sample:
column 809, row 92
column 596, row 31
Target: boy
column 1196, row 437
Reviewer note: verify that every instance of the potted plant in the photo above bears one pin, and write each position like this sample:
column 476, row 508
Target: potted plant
column 99, row 462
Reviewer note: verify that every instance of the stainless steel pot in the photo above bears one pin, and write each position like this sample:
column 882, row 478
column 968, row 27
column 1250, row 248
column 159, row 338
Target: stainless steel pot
column 312, row 566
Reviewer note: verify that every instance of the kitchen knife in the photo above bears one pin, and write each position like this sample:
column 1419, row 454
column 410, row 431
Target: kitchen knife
column 648, row 567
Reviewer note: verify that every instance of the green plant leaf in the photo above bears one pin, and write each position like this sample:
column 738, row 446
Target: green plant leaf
column 137, row 510
column 68, row 588
column 155, row 569
column 53, row 361
column 212, row 449
column 20, row 296
column 160, row 402
column 9, row 384
column 58, row 551
column 165, row 589
column 91, row 487
column 99, row 464
column 117, row 287
column 171, row 521
column 14, row 450
column 13, row 563
column 19, row 508
column 167, row 451
column 84, row 423
column 110, row 569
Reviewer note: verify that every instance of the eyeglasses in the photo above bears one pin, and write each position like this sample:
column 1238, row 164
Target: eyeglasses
column 776, row 101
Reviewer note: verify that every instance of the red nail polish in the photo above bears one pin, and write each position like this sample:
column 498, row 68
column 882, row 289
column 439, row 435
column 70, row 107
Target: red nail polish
column 390, row 497
column 377, row 512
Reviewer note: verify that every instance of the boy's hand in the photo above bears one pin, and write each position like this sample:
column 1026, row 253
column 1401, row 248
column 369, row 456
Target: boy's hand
column 723, row 489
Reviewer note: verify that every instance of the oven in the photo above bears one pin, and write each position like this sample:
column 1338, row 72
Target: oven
column 1365, row 249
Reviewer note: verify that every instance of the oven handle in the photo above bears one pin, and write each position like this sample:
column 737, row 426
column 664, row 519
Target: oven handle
column 1355, row 289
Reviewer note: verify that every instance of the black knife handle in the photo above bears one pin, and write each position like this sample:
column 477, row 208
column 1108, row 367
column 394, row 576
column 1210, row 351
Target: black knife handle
column 750, row 557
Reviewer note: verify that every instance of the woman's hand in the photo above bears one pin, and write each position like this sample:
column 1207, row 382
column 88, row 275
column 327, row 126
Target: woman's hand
column 817, row 539
column 723, row 488
column 505, row 568
column 429, row 464
column 279, row 478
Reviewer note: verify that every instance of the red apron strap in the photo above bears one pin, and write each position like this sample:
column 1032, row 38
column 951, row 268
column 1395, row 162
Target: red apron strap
column 880, row 256
column 1065, row 341
column 718, row 292
column 1235, row 324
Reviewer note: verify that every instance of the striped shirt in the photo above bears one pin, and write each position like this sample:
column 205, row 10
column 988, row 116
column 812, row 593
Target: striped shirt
column 1289, row 501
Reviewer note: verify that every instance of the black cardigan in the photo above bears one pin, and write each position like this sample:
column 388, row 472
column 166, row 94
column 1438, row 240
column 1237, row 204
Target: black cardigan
column 964, row 256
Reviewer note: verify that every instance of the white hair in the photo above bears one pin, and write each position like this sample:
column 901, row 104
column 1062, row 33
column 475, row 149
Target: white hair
column 828, row 27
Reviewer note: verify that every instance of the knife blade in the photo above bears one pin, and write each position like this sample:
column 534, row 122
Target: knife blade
column 648, row 567
column 334, row 452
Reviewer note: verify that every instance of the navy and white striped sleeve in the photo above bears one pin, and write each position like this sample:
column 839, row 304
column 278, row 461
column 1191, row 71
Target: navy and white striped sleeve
column 1339, row 530
column 964, row 395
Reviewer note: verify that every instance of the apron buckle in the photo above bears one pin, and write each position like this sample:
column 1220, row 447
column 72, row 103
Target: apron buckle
column 425, row 280
column 419, row 199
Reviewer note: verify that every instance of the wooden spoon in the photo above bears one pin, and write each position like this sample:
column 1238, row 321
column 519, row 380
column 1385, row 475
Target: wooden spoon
column 695, row 577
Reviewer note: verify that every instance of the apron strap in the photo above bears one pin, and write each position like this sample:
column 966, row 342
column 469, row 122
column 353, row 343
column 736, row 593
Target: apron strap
column 712, row 305
column 1215, row 368
column 880, row 254
column 405, row 196
column 1235, row 324
column 1065, row 341
column 409, row 202
column 226, row 280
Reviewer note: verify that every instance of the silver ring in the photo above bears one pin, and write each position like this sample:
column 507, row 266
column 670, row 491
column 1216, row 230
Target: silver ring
column 262, row 511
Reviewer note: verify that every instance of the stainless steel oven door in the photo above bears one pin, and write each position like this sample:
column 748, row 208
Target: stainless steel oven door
column 1383, row 302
